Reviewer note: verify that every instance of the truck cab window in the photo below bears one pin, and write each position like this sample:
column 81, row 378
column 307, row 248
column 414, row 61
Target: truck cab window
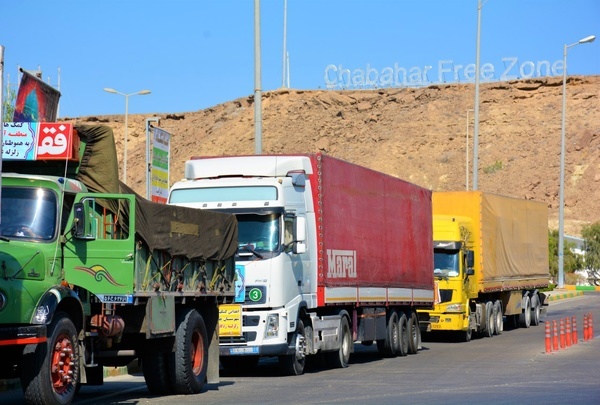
column 288, row 232
column 445, row 263
column 28, row 213
column 259, row 232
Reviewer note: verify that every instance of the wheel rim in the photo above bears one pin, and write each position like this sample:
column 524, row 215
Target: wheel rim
column 528, row 312
column 499, row 323
column 300, row 347
column 62, row 364
column 346, row 344
column 197, row 352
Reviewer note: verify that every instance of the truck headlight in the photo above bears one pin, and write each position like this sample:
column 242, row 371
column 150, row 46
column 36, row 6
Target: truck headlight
column 272, row 326
column 454, row 308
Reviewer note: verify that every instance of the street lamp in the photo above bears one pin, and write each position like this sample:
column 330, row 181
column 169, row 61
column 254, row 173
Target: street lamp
column 561, row 203
column 467, row 164
column 140, row 93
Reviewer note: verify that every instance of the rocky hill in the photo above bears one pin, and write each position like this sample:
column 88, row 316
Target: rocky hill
column 417, row 134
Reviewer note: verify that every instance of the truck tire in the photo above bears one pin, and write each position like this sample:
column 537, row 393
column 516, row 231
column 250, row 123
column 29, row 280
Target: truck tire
column 414, row 333
column 489, row 319
column 499, row 318
column 341, row 357
column 389, row 346
column 525, row 316
column 50, row 372
column 403, row 342
column 188, row 364
column 293, row 364
column 535, row 310
column 155, row 367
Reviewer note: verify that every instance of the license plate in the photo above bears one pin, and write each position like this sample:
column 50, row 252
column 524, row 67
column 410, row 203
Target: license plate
column 244, row 350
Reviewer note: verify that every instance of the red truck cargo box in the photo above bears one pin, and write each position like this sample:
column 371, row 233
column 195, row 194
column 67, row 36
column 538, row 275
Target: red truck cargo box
column 374, row 230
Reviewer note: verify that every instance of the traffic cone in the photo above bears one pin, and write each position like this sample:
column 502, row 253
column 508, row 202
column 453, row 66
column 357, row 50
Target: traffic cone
column 574, row 321
column 591, row 325
column 585, row 327
column 562, row 333
column 554, row 335
column 568, row 336
column 548, row 339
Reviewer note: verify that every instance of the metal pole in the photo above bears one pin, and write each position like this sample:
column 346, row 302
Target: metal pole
column 283, row 84
column 476, row 125
column 257, row 84
column 467, row 164
column 125, row 146
column 1, row 116
column 561, row 193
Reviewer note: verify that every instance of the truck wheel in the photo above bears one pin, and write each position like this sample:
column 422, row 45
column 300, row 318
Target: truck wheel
column 489, row 319
column 414, row 333
column 389, row 346
column 466, row 336
column 403, row 343
column 293, row 364
column 188, row 364
column 525, row 316
column 535, row 310
column 51, row 370
column 499, row 318
column 341, row 357
column 155, row 368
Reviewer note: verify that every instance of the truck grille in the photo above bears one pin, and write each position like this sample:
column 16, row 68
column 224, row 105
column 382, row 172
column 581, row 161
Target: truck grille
column 247, row 320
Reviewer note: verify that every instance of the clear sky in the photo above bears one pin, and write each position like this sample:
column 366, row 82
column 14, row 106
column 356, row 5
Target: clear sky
column 195, row 54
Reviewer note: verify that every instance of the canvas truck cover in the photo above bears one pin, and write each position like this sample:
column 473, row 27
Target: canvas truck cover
column 511, row 236
column 179, row 231
column 380, row 223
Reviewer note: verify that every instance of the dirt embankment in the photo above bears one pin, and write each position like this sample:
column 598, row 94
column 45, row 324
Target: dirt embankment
column 417, row 134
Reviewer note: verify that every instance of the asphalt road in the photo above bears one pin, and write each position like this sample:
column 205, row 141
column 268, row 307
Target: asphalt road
column 507, row 369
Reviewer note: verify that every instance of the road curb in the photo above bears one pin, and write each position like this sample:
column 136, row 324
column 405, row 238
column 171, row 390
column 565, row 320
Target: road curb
column 562, row 295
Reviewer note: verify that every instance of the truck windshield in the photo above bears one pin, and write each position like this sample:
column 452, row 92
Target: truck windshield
column 258, row 233
column 445, row 263
column 28, row 213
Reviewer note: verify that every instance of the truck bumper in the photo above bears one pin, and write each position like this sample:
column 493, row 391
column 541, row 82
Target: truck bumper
column 265, row 350
column 22, row 335
column 448, row 322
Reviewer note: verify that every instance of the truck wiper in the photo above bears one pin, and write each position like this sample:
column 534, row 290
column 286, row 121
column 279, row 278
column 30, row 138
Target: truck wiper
column 250, row 248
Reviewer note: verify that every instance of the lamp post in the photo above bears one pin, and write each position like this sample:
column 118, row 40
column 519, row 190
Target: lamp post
column 561, row 197
column 467, row 164
column 476, row 109
column 141, row 93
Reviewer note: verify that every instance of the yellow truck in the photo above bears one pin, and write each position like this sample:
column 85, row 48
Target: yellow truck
column 490, row 260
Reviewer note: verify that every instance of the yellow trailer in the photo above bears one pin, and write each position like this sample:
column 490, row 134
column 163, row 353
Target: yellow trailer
column 490, row 260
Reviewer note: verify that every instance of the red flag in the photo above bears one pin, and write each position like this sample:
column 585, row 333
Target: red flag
column 36, row 100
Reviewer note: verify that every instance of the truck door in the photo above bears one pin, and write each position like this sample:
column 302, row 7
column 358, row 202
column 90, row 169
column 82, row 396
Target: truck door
column 99, row 250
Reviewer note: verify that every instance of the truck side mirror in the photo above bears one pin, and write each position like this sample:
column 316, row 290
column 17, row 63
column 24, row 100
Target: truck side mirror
column 80, row 223
column 470, row 261
column 299, row 235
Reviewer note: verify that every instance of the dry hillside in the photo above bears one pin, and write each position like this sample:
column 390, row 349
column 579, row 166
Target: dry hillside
column 417, row 134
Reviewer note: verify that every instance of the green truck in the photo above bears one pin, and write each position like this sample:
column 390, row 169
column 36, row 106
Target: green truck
column 93, row 276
